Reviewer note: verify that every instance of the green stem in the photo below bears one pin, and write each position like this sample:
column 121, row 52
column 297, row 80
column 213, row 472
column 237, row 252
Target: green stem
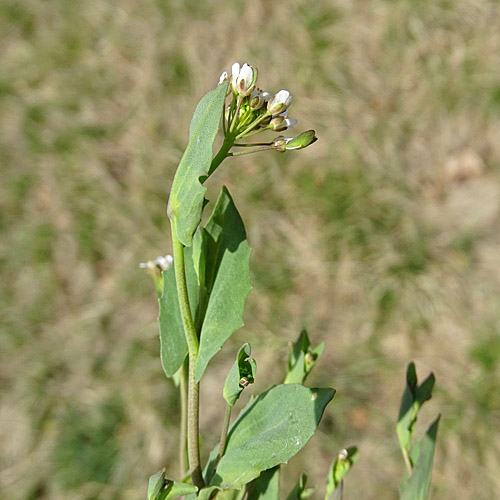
column 223, row 434
column 192, row 342
column 237, row 112
column 252, row 125
column 183, row 427
column 248, row 152
column 251, row 144
column 222, row 154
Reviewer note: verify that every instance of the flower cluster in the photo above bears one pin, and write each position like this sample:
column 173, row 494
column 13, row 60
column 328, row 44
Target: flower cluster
column 252, row 111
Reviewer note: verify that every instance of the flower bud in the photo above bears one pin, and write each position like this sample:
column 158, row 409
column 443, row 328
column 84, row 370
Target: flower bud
column 257, row 99
column 302, row 140
column 279, row 102
column 280, row 123
column 279, row 144
column 243, row 79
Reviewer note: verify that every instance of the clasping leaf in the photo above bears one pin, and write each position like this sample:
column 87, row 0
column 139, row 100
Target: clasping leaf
column 186, row 196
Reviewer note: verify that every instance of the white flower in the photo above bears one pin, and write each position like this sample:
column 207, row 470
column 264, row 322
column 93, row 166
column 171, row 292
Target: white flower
column 163, row 263
column 243, row 79
column 279, row 102
column 280, row 123
column 223, row 78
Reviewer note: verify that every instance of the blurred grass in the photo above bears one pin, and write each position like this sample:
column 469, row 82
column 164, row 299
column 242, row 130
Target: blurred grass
column 382, row 239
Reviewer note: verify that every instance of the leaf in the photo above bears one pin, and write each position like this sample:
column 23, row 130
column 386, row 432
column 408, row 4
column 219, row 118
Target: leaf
column 242, row 374
column 339, row 468
column 414, row 396
column 160, row 488
column 300, row 492
column 173, row 346
column 301, row 359
column 187, row 194
column 269, row 431
column 266, row 486
column 227, row 278
column 417, row 486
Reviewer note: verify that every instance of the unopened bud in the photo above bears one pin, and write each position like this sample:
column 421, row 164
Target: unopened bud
column 279, row 144
column 280, row 123
column 279, row 102
column 309, row 358
column 258, row 99
column 244, row 382
column 302, row 141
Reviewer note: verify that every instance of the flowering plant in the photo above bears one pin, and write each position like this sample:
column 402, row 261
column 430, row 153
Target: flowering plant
column 202, row 291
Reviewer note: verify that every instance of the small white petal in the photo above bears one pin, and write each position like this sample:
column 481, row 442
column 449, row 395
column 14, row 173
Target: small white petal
column 282, row 96
column 164, row 262
column 290, row 123
column 235, row 71
column 246, row 73
column 223, row 78
column 265, row 95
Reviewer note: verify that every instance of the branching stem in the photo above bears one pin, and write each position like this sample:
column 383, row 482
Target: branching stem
column 223, row 434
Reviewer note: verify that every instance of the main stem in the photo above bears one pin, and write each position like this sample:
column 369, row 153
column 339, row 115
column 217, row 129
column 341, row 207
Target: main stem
column 183, row 424
column 192, row 342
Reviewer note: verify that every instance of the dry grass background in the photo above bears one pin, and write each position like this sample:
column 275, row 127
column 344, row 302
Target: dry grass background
column 382, row 239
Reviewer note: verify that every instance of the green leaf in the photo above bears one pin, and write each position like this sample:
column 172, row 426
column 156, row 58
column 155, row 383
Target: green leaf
column 417, row 486
column 160, row 488
column 301, row 359
column 186, row 196
column 414, row 396
column 339, row 468
column 300, row 492
column 269, row 431
column 266, row 486
column 242, row 374
column 227, row 279
column 173, row 346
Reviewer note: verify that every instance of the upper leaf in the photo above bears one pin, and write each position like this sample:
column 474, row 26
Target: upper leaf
column 186, row 196
column 339, row 468
column 417, row 486
column 301, row 359
column 414, row 396
column 227, row 278
column 269, row 431
column 161, row 488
